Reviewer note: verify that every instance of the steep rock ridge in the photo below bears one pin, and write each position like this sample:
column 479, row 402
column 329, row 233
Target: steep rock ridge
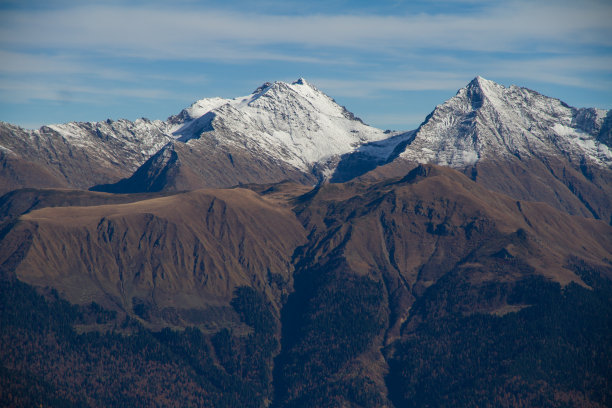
column 512, row 140
column 160, row 172
column 519, row 142
column 280, row 131
column 85, row 153
column 204, row 164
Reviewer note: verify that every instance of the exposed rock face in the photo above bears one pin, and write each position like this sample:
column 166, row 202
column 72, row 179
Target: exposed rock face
column 512, row 140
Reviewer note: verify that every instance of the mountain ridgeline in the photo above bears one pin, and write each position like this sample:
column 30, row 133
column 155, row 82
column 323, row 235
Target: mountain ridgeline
column 273, row 250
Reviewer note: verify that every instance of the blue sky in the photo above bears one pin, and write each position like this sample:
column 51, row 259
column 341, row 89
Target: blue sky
column 389, row 62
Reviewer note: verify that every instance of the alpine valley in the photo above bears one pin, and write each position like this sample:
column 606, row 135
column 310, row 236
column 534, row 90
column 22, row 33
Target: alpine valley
column 273, row 250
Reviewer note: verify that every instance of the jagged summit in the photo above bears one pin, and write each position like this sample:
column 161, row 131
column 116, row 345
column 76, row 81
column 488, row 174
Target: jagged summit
column 266, row 85
column 294, row 131
column 205, row 105
column 521, row 143
column 281, row 131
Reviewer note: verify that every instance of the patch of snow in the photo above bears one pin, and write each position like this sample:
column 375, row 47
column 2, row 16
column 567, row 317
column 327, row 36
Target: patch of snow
column 291, row 123
column 470, row 157
column 384, row 148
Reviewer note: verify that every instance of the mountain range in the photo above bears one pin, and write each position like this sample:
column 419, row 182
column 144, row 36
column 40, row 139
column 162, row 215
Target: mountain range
column 274, row 250
column 295, row 132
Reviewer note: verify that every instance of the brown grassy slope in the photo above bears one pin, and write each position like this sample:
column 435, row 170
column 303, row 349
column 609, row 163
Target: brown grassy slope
column 173, row 256
column 21, row 201
column 374, row 251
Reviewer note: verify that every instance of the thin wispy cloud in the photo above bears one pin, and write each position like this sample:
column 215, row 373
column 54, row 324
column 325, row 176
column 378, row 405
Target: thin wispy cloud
column 22, row 91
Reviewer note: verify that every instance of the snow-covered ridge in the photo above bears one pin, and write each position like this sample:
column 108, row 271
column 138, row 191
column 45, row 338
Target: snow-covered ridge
column 486, row 120
column 110, row 142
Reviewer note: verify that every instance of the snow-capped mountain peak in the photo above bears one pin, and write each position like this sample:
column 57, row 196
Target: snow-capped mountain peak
column 487, row 120
column 293, row 123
